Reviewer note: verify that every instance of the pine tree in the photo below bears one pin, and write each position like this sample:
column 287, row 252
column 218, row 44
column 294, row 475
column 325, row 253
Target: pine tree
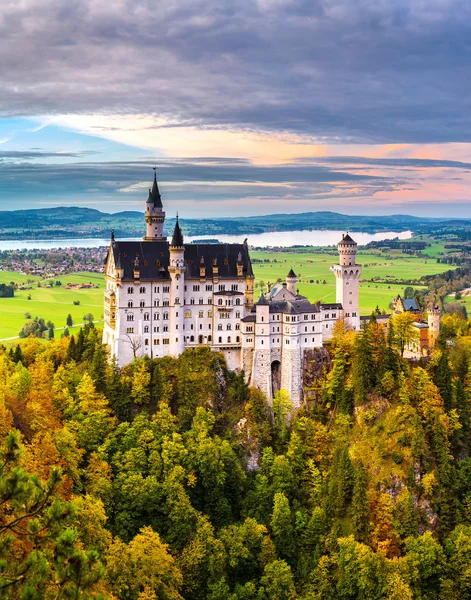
column 443, row 379
column 69, row 320
column 18, row 354
column 282, row 528
column 363, row 364
column 360, row 516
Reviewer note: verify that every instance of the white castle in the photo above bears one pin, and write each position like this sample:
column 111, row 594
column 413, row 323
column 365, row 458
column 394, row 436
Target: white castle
column 162, row 298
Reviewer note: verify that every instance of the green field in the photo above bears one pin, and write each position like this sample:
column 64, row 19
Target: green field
column 316, row 266
column 56, row 303
column 49, row 303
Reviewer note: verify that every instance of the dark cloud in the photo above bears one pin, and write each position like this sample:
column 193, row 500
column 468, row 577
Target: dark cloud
column 418, row 163
column 15, row 155
column 342, row 70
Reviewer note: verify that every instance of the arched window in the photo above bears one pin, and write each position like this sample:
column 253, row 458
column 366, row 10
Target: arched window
column 229, row 340
column 146, row 329
column 130, row 317
column 220, row 327
column 130, row 290
column 146, row 317
column 192, row 338
column 220, row 302
column 200, row 339
column 229, row 327
column 210, row 339
column 165, row 316
column 237, row 339
column 142, row 290
column 220, row 340
column 146, row 342
column 130, row 304
column 237, row 301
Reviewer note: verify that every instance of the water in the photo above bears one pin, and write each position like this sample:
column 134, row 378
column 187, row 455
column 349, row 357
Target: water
column 315, row 237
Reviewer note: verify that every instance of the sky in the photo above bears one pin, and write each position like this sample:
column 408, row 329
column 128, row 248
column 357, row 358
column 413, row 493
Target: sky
column 246, row 107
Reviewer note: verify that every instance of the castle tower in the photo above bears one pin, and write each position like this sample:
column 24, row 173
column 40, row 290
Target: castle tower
column 347, row 274
column 177, row 291
column 154, row 215
column 291, row 282
column 261, row 375
column 433, row 318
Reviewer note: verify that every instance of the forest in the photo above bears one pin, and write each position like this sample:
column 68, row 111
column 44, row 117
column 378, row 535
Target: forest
column 171, row 479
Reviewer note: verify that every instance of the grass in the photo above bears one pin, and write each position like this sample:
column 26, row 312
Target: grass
column 315, row 266
column 56, row 303
column 51, row 303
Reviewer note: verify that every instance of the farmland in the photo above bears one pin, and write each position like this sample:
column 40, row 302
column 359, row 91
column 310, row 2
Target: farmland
column 381, row 272
column 53, row 303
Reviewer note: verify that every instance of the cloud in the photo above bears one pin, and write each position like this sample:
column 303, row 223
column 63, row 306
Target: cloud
column 33, row 154
column 330, row 71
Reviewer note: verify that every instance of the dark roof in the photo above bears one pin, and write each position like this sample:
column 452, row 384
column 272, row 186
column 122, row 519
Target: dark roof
column 346, row 239
column 249, row 318
column 154, row 258
column 291, row 307
column 410, row 304
column 377, row 317
column 177, row 238
column 262, row 301
column 331, row 306
column 291, row 273
column 154, row 194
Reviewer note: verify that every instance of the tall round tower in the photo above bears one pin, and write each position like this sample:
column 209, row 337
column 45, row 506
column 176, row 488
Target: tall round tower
column 154, row 215
column 176, row 270
column 347, row 274
column 433, row 319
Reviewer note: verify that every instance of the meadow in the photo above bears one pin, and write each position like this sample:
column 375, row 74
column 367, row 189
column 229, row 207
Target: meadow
column 317, row 282
column 52, row 304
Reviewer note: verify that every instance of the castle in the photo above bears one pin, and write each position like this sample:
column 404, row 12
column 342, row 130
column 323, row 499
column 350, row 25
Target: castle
column 163, row 297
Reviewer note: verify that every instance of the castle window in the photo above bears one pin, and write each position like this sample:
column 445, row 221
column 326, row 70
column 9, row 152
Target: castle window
column 210, row 339
column 157, row 263
column 142, row 290
column 130, row 317
column 313, row 329
column 305, row 339
column 200, row 314
column 234, row 287
column 161, row 254
column 209, row 301
column 192, row 301
column 130, row 304
column 262, row 342
column 249, row 328
column 156, row 316
column 226, row 262
column 166, row 341
column 209, row 326
column 237, row 315
column 220, row 340
column 142, row 303
column 229, row 326
column 165, row 303
column 166, row 289
column 210, row 313
column 354, row 314
column 156, row 330
column 196, row 288
column 287, row 342
column 237, row 339
column 146, row 342
column 165, row 328
column 146, row 329
column 201, row 300
column 156, row 303
column 146, row 316
column 221, row 287
column 201, row 325
column 327, row 316
column 220, row 327
column 165, row 316
column 130, row 290
column 313, row 317
column 191, row 327
column 190, row 262
column 306, row 317
column 177, row 300
column 220, row 302
column 209, row 288
column 237, row 326
column 237, row 301
column 229, row 340
column 335, row 314
column 305, row 329
column 130, row 330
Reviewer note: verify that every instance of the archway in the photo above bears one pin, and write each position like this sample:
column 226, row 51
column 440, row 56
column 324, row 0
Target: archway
column 275, row 377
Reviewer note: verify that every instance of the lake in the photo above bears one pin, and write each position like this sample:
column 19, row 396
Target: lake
column 315, row 237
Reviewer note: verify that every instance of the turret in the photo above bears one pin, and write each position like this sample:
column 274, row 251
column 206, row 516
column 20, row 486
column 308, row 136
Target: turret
column 291, row 282
column 154, row 215
column 347, row 273
column 433, row 319
column 176, row 270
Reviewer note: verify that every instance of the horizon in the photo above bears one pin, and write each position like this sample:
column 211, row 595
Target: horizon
column 247, row 109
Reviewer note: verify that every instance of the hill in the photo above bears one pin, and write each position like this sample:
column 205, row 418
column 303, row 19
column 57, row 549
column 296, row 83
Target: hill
column 75, row 222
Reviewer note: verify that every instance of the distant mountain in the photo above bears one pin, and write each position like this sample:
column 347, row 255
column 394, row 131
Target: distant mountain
column 75, row 222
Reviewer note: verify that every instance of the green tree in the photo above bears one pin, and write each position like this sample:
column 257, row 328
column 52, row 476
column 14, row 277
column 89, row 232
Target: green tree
column 405, row 333
column 360, row 516
column 69, row 320
column 282, row 528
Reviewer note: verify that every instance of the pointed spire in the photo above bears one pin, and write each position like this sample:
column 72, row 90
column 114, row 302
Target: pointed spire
column 112, row 235
column 154, row 193
column 177, row 238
